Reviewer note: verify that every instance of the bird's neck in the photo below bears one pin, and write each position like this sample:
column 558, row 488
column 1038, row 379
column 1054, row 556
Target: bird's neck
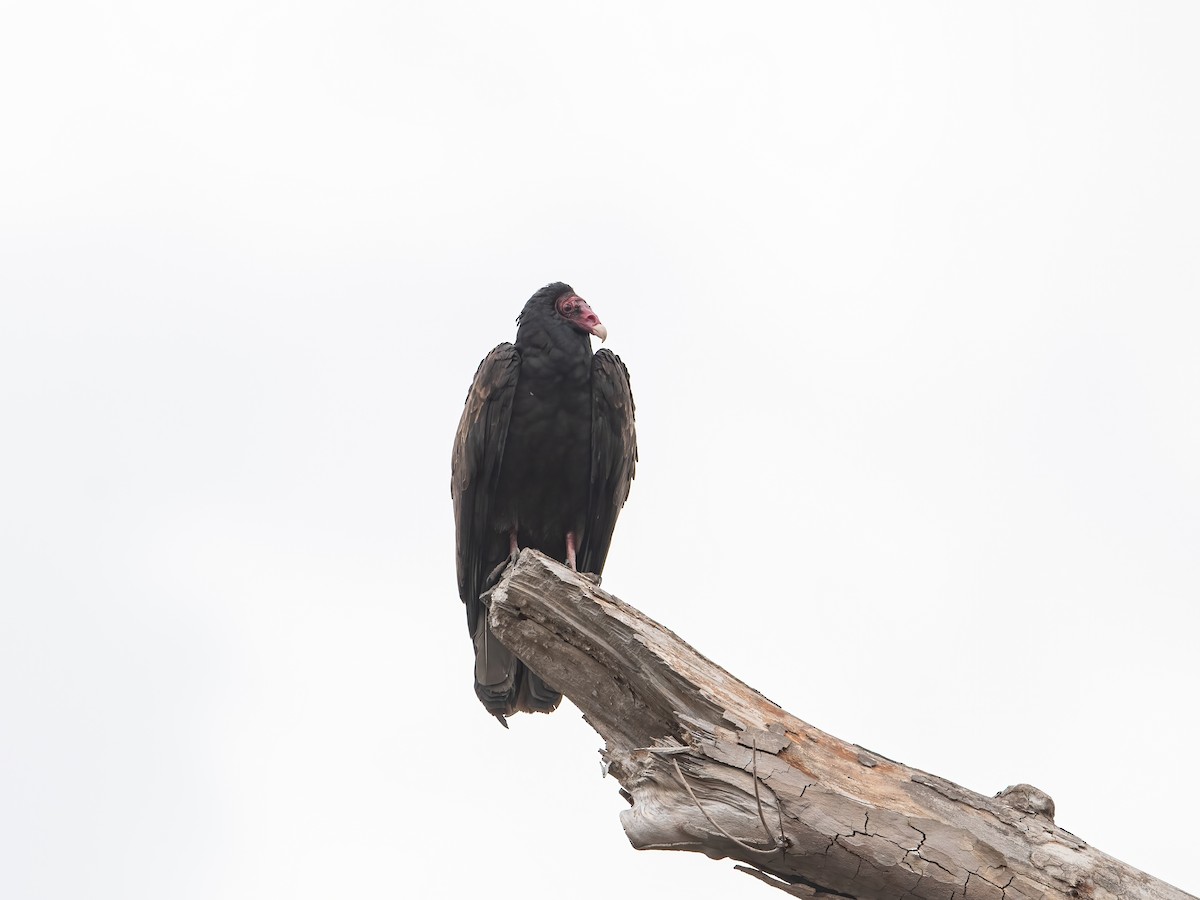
column 556, row 338
column 553, row 353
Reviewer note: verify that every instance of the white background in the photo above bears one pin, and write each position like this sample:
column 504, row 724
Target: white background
column 908, row 293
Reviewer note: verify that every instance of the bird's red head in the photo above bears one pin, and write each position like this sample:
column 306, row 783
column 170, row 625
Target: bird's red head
column 575, row 310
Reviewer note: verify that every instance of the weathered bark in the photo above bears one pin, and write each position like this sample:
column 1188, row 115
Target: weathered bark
column 708, row 764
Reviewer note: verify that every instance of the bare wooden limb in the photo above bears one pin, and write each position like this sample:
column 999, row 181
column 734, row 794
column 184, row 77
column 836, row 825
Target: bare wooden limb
column 707, row 762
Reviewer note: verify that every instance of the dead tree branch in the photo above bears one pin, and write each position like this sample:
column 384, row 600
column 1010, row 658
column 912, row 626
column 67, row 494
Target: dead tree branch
column 708, row 764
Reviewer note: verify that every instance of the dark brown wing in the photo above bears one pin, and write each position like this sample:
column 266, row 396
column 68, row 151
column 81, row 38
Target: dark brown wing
column 614, row 457
column 475, row 471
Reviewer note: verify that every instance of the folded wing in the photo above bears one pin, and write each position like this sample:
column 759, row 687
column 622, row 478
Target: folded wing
column 475, row 471
column 614, row 456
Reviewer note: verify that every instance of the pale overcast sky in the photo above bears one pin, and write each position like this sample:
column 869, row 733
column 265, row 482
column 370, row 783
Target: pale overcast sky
column 908, row 294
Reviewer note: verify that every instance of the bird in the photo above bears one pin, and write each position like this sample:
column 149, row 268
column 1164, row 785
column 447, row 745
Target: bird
column 543, row 458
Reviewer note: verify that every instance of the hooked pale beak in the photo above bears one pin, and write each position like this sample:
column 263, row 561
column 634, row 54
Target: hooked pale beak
column 588, row 321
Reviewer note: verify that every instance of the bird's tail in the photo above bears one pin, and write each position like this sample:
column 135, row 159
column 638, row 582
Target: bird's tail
column 503, row 683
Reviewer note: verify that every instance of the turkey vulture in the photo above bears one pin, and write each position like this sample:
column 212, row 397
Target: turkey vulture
column 543, row 458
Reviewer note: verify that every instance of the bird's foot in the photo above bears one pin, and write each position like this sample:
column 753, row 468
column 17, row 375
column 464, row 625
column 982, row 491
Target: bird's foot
column 593, row 577
column 494, row 575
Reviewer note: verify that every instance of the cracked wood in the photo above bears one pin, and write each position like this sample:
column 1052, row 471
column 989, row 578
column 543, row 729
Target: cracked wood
column 710, row 765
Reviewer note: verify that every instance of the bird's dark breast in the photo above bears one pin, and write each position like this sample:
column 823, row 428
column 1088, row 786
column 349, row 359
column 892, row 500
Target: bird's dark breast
column 544, row 475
